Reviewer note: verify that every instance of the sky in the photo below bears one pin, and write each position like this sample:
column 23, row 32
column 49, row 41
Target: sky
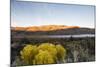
column 37, row 14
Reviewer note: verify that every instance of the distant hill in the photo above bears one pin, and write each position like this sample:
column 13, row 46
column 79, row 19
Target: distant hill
column 51, row 30
column 43, row 28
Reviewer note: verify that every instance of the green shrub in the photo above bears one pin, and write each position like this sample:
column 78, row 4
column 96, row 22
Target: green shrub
column 45, row 53
column 43, row 57
column 51, row 48
column 61, row 53
column 28, row 53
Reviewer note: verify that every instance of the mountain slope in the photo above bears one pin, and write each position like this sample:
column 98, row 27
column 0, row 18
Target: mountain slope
column 43, row 28
column 51, row 30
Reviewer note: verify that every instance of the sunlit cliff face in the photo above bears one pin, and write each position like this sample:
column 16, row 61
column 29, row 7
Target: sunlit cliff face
column 45, row 28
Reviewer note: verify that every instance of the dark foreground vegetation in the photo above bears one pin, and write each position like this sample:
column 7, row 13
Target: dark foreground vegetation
column 73, row 49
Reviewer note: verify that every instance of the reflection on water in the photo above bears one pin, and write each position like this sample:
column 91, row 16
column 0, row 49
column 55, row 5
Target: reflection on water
column 65, row 36
column 57, row 36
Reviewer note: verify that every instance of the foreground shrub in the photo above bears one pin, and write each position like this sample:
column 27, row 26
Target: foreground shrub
column 43, row 57
column 28, row 53
column 45, row 53
column 61, row 53
column 51, row 48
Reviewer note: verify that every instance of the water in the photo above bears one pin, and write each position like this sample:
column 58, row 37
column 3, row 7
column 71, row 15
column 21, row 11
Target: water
column 65, row 36
column 57, row 36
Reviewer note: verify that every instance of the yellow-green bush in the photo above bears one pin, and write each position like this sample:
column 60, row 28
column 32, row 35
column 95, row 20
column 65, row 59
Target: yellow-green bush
column 45, row 53
column 28, row 53
column 61, row 52
column 51, row 48
column 43, row 57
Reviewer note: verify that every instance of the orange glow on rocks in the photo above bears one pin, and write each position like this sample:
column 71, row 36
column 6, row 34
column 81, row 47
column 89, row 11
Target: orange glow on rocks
column 45, row 28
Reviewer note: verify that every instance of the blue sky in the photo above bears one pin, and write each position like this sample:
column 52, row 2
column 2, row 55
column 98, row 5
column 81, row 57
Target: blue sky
column 36, row 14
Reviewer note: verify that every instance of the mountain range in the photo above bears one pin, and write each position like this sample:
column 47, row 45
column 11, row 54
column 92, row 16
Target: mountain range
column 51, row 30
column 44, row 28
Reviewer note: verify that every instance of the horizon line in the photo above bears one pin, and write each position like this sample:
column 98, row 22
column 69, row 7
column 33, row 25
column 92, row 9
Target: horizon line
column 52, row 25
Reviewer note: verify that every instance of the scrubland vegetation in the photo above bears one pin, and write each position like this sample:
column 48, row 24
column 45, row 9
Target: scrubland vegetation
column 52, row 51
